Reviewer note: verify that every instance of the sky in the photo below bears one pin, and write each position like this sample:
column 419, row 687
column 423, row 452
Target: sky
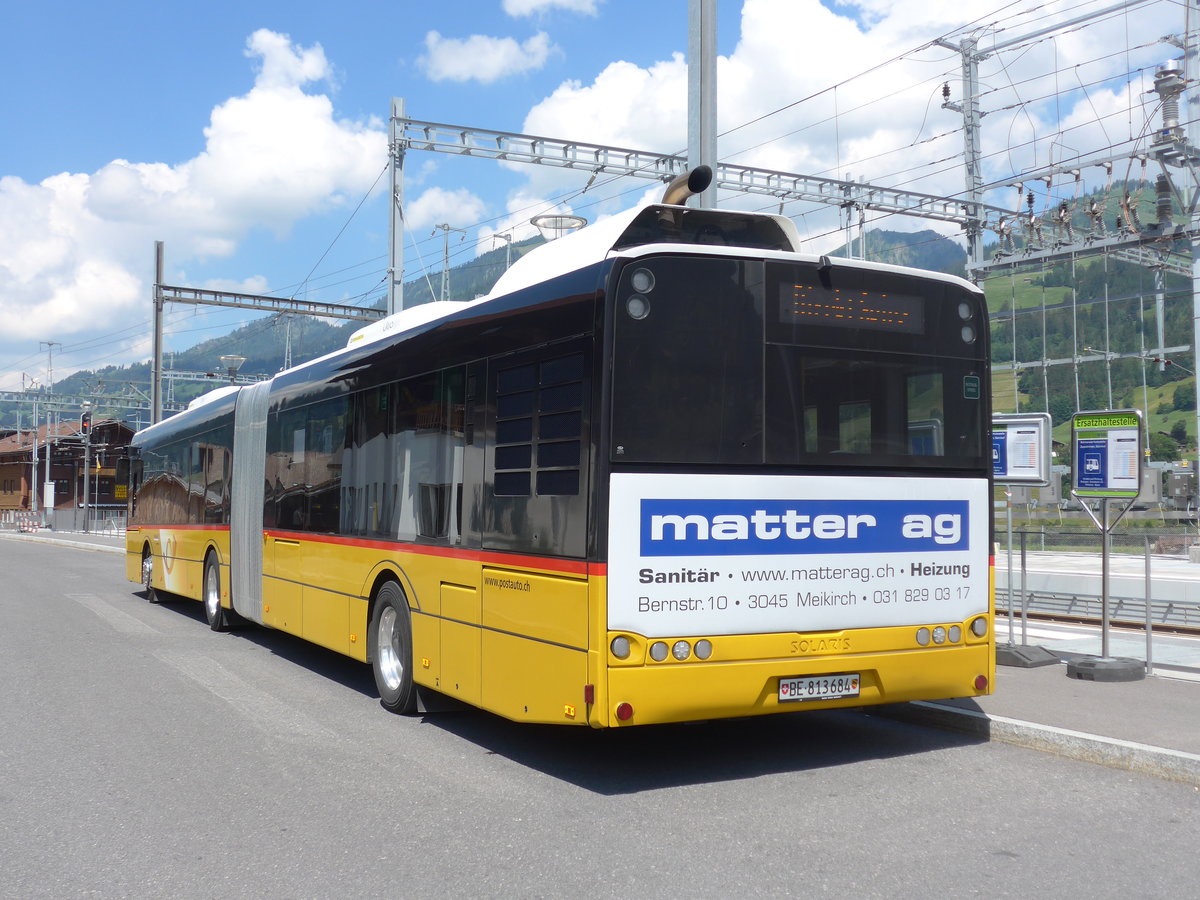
column 251, row 138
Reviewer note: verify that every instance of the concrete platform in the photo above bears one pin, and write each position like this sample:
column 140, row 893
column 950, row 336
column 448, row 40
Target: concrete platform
column 1150, row 726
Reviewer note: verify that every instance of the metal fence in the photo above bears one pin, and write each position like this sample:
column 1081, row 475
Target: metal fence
column 99, row 521
column 1132, row 541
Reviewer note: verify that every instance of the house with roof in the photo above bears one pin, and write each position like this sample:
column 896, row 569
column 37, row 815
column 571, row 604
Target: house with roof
column 60, row 454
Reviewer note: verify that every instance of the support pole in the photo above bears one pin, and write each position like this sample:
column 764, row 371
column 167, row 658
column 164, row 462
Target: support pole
column 156, row 365
column 446, row 229
column 1149, row 616
column 33, row 498
column 972, row 153
column 1008, row 516
column 1105, row 547
column 702, row 91
column 395, row 294
column 1191, row 68
column 87, row 464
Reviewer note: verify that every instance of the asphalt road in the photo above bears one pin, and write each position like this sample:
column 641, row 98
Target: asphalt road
column 141, row 755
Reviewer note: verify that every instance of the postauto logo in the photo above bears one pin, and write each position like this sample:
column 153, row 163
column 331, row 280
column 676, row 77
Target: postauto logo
column 777, row 527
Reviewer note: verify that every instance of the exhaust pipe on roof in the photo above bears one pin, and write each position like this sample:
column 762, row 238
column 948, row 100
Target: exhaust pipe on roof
column 684, row 186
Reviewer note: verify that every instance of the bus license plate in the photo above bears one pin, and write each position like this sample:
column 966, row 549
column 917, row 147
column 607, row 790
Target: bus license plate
column 818, row 687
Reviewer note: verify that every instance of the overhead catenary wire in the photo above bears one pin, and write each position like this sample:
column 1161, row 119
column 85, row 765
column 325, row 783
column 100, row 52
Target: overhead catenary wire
column 1018, row 18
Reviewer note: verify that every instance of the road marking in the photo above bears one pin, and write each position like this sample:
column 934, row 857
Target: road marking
column 1044, row 634
column 273, row 715
column 117, row 618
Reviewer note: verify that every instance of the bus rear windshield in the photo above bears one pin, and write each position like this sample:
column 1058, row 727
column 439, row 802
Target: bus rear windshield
column 726, row 361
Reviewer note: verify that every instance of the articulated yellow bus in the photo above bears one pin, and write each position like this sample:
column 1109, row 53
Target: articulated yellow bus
column 668, row 469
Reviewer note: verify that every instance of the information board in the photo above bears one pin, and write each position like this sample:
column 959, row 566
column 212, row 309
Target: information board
column 1021, row 449
column 1106, row 454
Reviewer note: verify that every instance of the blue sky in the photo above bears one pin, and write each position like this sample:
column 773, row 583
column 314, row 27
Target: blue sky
column 245, row 134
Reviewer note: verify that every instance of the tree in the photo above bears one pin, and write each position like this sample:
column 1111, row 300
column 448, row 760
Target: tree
column 1179, row 432
column 1162, row 447
column 1185, row 397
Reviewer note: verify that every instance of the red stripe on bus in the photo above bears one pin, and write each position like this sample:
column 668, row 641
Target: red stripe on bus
column 179, row 528
column 516, row 560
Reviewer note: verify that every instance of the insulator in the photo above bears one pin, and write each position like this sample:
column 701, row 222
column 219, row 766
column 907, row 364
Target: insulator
column 1163, row 206
column 1169, row 84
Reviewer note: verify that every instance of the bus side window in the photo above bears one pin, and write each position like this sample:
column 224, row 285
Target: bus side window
column 539, row 427
column 536, row 451
column 325, row 437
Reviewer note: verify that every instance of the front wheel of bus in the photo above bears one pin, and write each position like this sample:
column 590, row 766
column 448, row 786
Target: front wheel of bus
column 148, row 575
column 217, row 619
column 391, row 650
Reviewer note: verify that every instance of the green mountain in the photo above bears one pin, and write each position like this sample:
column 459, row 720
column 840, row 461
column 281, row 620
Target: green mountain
column 919, row 249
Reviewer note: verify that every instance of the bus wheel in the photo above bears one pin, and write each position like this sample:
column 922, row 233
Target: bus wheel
column 148, row 575
column 391, row 650
column 217, row 620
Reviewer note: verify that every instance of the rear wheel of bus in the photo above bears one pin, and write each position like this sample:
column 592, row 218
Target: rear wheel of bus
column 148, row 574
column 218, row 619
column 391, row 649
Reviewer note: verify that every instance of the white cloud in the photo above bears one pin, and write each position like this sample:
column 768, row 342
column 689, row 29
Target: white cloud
column 876, row 113
column 482, row 58
column 437, row 206
column 536, row 7
column 283, row 66
column 75, row 243
column 625, row 106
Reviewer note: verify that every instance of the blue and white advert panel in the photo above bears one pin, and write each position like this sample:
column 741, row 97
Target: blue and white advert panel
column 746, row 554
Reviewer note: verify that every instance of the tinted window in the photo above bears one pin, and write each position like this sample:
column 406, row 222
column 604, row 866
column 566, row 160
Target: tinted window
column 722, row 361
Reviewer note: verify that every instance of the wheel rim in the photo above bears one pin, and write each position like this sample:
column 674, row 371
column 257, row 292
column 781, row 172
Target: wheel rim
column 388, row 650
column 212, row 593
column 147, row 569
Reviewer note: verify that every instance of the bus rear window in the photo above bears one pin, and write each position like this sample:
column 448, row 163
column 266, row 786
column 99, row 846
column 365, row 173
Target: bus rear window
column 714, row 366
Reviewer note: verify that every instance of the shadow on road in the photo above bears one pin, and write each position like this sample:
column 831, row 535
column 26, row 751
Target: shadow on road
column 327, row 663
column 634, row 760
column 639, row 759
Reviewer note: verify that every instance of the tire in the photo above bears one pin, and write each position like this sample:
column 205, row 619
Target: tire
column 390, row 637
column 213, row 611
column 148, row 575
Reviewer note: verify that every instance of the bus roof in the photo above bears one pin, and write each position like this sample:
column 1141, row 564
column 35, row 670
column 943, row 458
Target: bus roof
column 641, row 225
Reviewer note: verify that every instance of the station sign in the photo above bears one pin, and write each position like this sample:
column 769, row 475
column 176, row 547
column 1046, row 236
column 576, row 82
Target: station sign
column 1106, row 457
column 1021, row 449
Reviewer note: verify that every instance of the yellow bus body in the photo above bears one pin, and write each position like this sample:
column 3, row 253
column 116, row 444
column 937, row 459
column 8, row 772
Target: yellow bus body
column 527, row 638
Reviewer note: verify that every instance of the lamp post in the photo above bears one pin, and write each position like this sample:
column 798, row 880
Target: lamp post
column 508, row 239
column 232, row 364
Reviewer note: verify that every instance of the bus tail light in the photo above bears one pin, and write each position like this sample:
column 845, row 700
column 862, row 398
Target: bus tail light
column 658, row 651
column 703, row 649
column 620, row 647
column 979, row 627
column 681, row 650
